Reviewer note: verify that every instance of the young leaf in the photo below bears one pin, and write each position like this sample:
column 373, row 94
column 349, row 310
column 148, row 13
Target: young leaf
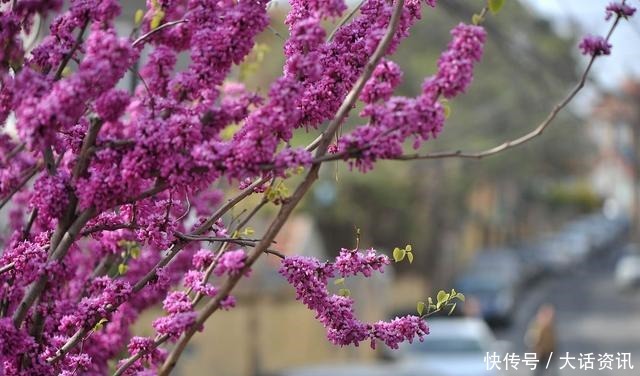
column 135, row 252
column 460, row 297
column 420, row 307
column 410, row 257
column 100, row 324
column 122, row 268
column 138, row 17
column 447, row 109
column 476, row 20
column 344, row 292
column 496, row 5
column 398, row 254
column 339, row 281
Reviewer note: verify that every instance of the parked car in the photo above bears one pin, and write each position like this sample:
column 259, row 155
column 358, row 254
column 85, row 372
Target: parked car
column 532, row 266
column 502, row 262
column 494, row 293
column 627, row 273
column 551, row 256
column 454, row 347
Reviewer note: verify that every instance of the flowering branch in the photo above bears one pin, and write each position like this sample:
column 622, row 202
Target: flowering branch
column 499, row 148
column 288, row 207
column 134, row 173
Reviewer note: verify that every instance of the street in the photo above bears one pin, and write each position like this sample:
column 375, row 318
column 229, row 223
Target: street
column 592, row 316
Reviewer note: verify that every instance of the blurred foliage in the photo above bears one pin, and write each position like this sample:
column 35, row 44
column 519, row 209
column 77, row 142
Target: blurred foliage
column 527, row 69
column 574, row 196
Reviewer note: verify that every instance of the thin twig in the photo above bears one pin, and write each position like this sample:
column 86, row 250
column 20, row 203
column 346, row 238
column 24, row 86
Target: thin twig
column 345, row 19
column 109, row 227
column 74, row 48
column 30, row 174
column 14, row 152
column 143, row 37
column 7, row 267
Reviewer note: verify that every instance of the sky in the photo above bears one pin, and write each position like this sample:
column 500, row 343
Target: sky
column 624, row 60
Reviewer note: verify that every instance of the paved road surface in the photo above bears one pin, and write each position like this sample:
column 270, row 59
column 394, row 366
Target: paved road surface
column 593, row 316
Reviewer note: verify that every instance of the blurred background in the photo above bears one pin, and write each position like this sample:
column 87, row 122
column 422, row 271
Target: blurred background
column 542, row 239
column 547, row 224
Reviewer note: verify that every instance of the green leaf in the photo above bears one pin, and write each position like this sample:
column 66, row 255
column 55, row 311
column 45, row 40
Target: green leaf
column 398, row 254
column 135, row 252
column 496, row 5
column 122, row 268
column 430, row 300
column 100, row 324
column 408, row 248
column 410, row 257
column 442, row 296
column 447, row 110
column 476, row 20
column 137, row 20
column 421, row 306
column 460, row 296
column 344, row 292
column 339, row 281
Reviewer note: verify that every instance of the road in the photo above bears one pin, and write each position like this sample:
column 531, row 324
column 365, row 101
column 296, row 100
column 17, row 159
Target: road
column 593, row 316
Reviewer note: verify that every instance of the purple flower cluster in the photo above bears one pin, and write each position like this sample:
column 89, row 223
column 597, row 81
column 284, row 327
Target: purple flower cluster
column 232, row 263
column 351, row 262
column 309, row 277
column 455, row 66
column 620, row 9
column 595, row 46
column 398, row 118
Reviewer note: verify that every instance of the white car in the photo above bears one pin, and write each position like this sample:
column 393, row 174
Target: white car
column 454, row 347
column 627, row 272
